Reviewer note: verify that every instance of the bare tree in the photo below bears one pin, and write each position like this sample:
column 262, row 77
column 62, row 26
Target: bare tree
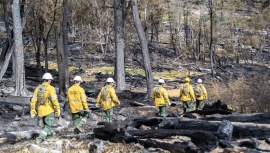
column 119, row 44
column 63, row 52
column 144, row 47
column 211, row 15
column 20, row 89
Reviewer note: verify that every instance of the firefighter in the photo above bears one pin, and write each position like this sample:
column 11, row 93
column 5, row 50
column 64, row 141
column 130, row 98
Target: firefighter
column 187, row 96
column 107, row 98
column 76, row 99
column 160, row 97
column 48, row 106
column 200, row 94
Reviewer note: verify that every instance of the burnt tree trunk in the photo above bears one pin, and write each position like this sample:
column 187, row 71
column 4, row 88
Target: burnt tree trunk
column 62, row 54
column 46, row 38
column 144, row 47
column 211, row 14
column 20, row 89
column 119, row 45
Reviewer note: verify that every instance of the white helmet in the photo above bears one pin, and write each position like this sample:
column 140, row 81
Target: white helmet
column 47, row 76
column 77, row 78
column 161, row 81
column 199, row 80
column 110, row 80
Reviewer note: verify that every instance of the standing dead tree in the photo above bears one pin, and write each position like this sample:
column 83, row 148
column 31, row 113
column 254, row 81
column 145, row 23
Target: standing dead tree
column 144, row 47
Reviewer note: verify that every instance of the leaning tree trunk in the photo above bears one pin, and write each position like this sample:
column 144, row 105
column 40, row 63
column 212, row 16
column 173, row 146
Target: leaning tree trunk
column 19, row 68
column 144, row 46
column 119, row 45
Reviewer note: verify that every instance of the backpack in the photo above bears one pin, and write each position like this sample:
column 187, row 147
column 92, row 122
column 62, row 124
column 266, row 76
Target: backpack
column 198, row 91
column 185, row 89
column 41, row 94
column 157, row 93
column 105, row 93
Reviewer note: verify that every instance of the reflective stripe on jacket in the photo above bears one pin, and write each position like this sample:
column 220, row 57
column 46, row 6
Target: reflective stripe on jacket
column 189, row 96
column 204, row 95
column 160, row 96
column 76, row 98
column 50, row 98
column 107, row 97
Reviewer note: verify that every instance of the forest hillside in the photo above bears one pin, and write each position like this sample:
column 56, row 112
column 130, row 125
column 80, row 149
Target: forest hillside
column 226, row 43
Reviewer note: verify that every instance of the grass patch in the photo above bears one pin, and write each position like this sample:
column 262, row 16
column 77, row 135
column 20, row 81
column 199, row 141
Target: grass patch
column 136, row 71
column 167, row 75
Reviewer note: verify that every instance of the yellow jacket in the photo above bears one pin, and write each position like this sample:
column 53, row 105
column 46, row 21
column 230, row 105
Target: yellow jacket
column 51, row 99
column 76, row 98
column 107, row 97
column 190, row 93
column 160, row 96
column 204, row 95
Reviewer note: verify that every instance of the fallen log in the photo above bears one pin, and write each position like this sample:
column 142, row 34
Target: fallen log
column 173, row 148
column 167, row 133
column 256, row 117
column 137, row 122
column 108, row 135
column 13, row 137
column 211, row 112
column 241, row 130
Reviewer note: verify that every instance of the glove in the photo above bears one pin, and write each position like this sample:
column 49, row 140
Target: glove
column 97, row 105
column 57, row 114
column 33, row 113
column 118, row 102
column 169, row 103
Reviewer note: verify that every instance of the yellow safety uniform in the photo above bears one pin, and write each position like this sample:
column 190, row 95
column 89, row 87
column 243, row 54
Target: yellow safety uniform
column 160, row 96
column 204, row 95
column 76, row 99
column 51, row 101
column 107, row 97
column 189, row 96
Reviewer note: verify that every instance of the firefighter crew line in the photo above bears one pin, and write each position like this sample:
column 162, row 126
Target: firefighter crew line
column 48, row 106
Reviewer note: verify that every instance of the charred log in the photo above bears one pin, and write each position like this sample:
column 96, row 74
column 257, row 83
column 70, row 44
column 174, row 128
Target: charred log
column 258, row 117
column 173, row 148
column 241, row 130
column 204, row 140
column 212, row 111
column 13, row 137
column 167, row 133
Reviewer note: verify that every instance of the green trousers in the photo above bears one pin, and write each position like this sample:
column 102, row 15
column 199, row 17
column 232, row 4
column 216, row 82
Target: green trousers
column 188, row 106
column 162, row 111
column 79, row 119
column 199, row 104
column 47, row 130
column 109, row 114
